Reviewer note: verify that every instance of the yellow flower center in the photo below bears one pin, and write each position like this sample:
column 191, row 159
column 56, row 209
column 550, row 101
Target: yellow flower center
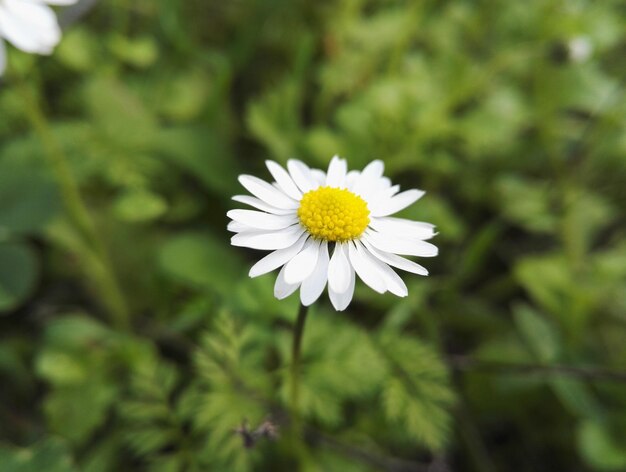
column 333, row 214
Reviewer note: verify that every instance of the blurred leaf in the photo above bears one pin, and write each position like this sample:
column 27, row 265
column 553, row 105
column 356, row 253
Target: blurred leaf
column 203, row 154
column 137, row 206
column 577, row 397
column 599, row 448
column 50, row 455
column 494, row 126
column 139, row 52
column 527, row 203
column 540, row 337
column 19, row 271
column 79, row 49
column 76, row 331
column 75, row 411
column 120, row 114
column 76, row 361
column 186, row 96
column 587, row 216
column 201, row 260
column 60, row 368
column 547, row 279
column 28, row 197
column 274, row 119
column 543, row 341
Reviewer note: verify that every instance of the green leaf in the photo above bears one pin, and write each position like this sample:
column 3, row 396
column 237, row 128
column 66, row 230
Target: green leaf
column 548, row 279
column 417, row 396
column 139, row 52
column 76, row 332
column 201, row 152
column 599, row 448
column 186, row 96
column 50, row 455
column 120, row 114
column 545, row 345
column 527, row 203
column 79, row 49
column 75, row 411
column 201, row 260
column 540, row 337
column 274, row 119
column 60, row 368
column 140, row 205
column 28, row 196
column 19, row 271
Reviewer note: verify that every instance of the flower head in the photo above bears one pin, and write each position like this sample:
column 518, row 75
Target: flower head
column 30, row 25
column 325, row 227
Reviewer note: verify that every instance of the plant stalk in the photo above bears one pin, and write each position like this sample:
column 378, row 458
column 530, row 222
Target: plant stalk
column 296, row 350
column 76, row 210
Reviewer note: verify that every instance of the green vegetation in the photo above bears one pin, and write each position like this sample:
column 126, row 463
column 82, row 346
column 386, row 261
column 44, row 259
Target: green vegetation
column 131, row 337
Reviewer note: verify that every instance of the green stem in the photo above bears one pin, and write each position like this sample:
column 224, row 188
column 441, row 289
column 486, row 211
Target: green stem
column 76, row 210
column 295, row 363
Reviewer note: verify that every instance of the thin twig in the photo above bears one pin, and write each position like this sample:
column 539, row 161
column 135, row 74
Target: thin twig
column 464, row 363
column 386, row 463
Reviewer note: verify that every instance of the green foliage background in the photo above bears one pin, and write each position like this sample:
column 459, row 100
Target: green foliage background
column 131, row 337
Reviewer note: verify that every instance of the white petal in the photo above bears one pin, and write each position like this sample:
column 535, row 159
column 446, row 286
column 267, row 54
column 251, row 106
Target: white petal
column 365, row 269
column 261, row 220
column 351, row 178
column 277, row 258
column 261, row 189
column 283, row 180
column 3, row 57
column 341, row 300
column 237, row 227
column 374, row 169
column 396, row 261
column 281, row 288
column 337, row 170
column 319, row 176
column 268, row 240
column 382, row 193
column 403, row 227
column 301, row 175
column 29, row 26
column 314, row 284
column 372, row 172
column 261, row 205
column 395, row 203
column 379, row 189
column 339, row 269
column 392, row 281
column 400, row 245
column 59, row 2
column 303, row 265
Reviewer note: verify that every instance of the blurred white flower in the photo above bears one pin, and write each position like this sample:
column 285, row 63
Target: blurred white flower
column 30, row 25
column 307, row 214
column 580, row 48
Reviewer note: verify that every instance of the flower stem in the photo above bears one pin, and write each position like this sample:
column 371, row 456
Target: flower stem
column 77, row 212
column 298, row 332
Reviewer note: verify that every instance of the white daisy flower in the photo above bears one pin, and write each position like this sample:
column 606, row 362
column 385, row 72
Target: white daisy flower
column 30, row 25
column 325, row 227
